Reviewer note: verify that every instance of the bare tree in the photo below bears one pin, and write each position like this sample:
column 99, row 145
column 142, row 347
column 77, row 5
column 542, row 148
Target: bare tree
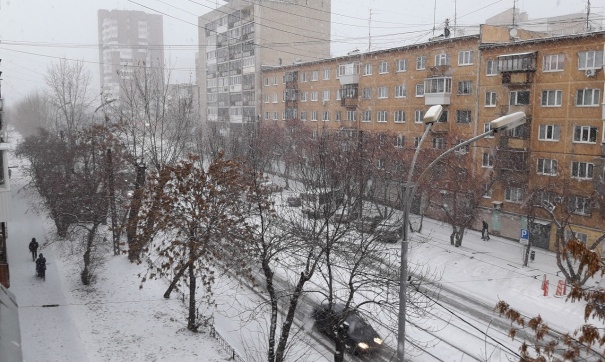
column 32, row 112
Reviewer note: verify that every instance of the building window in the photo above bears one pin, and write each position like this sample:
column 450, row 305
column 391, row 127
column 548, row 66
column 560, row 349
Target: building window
column 513, row 194
column 367, row 69
column 590, row 60
column 465, row 87
column 490, row 99
column 351, row 116
column 582, row 170
column 381, row 116
column 267, row 98
column 326, row 116
column 398, row 141
column 266, row 81
column 418, row 116
column 487, row 190
column 438, row 143
column 383, row 68
column 552, row 98
column 420, row 90
column 463, row 116
column 400, row 91
column 366, row 93
column 438, row 85
column 274, row 97
column 442, row 59
column 314, row 96
column 380, row 164
column 444, row 117
column 553, row 63
column 338, row 115
column 464, row 149
column 416, row 142
column 585, row 134
column 575, row 235
column 402, row 65
column 421, row 63
column 488, row 160
column 549, row 132
column 303, row 115
column 547, row 167
column 275, row 116
column 588, row 97
column 366, row 116
column 303, row 96
column 491, row 68
column 314, row 75
column 465, row 57
column 283, row 115
column 314, row 115
column 303, row 77
column 580, row 205
column 519, row 98
column 383, row 92
column 338, row 94
column 486, row 128
column 399, row 116
column 267, row 115
column 274, row 80
column 326, row 95
column 326, row 74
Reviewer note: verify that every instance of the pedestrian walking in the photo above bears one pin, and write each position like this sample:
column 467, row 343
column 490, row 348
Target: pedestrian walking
column 33, row 247
column 485, row 231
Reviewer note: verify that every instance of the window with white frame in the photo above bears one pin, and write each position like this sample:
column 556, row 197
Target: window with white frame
column 303, row 96
column 383, row 68
column 547, row 166
column 444, row 117
column 381, row 116
column 267, row 98
column 275, row 116
column 585, row 134
column 442, row 59
column 314, row 115
column 488, row 160
column 402, row 65
column 580, row 205
column 338, row 115
column 438, row 85
column 366, row 93
column 582, row 170
column 399, row 116
column 383, row 92
column 380, row 163
column 303, row 77
column 553, row 63
column 549, row 132
column 366, row 116
column 575, row 235
column 338, row 94
column 420, row 90
column 486, row 128
column 314, row 75
column 326, row 95
column 274, row 80
column 274, row 97
column 519, row 98
column 367, row 69
column 267, row 115
column 303, row 115
column 552, row 98
column 351, row 116
column 513, row 194
column 491, row 68
column 438, row 143
column 400, row 91
column 463, row 116
column 313, row 136
column 326, row 74
column 490, row 99
column 420, row 63
column 266, row 81
column 465, row 87
column 487, row 190
column 465, row 57
column 326, row 116
column 464, row 149
column 314, row 96
column 416, row 142
column 418, row 116
column 588, row 97
column 283, row 115
column 398, row 141
column 592, row 59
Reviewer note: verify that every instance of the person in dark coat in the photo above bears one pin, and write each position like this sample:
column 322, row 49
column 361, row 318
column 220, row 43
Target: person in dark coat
column 33, row 247
column 485, row 231
column 40, row 264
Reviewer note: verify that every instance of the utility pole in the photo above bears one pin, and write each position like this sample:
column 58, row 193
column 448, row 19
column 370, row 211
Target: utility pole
column 514, row 11
column 587, row 15
column 370, row 32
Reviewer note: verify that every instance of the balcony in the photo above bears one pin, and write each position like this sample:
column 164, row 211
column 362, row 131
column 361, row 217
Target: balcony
column 521, row 80
column 518, row 62
column 437, row 90
column 349, row 102
column 440, row 127
column 348, row 73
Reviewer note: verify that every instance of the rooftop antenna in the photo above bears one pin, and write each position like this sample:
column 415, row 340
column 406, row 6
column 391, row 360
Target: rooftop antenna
column 434, row 13
column 587, row 15
column 455, row 17
column 370, row 32
column 514, row 11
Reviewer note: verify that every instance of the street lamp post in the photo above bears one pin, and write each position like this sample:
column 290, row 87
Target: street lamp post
column 432, row 115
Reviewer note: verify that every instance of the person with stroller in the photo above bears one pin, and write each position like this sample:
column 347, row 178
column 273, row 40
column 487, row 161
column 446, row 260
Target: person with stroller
column 33, row 248
column 41, row 266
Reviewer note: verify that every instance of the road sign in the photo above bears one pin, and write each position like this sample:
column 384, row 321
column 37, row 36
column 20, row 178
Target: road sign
column 524, row 237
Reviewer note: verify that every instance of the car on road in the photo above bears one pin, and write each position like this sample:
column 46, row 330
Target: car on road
column 358, row 335
column 294, row 201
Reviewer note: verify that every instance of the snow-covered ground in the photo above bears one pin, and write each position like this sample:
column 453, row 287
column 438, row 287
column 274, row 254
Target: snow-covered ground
column 115, row 320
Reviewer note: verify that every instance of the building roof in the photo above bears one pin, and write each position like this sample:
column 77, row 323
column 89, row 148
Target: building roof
column 542, row 40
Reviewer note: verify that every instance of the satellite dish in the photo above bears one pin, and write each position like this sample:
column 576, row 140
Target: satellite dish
column 513, row 33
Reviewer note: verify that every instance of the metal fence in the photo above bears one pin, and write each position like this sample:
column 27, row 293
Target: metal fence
column 225, row 345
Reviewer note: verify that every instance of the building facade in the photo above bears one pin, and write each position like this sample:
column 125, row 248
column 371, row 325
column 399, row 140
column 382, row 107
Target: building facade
column 556, row 81
column 127, row 40
column 237, row 39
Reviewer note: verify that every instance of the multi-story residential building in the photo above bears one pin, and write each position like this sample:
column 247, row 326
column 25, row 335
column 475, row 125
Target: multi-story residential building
column 556, row 81
column 239, row 38
column 128, row 40
column 5, row 198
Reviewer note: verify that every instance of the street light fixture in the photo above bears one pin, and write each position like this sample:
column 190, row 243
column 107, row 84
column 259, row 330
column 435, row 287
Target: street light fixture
column 432, row 115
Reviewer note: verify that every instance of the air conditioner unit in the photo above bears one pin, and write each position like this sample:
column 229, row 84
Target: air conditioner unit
column 591, row 72
column 497, row 205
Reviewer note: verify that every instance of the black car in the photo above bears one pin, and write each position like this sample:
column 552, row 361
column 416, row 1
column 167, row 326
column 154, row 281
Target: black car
column 359, row 336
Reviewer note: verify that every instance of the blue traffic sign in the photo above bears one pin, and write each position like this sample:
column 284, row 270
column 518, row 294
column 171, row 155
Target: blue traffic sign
column 525, row 234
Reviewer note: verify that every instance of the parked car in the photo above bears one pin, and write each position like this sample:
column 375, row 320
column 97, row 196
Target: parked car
column 343, row 216
column 387, row 233
column 367, row 224
column 294, row 201
column 358, row 335
column 270, row 186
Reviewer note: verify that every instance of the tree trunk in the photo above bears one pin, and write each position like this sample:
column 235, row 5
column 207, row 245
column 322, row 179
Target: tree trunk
column 192, row 322
column 453, row 236
column 86, row 275
column 175, row 280
column 339, row 353
column 285, row 332
column 274, row 311
column 459, row 235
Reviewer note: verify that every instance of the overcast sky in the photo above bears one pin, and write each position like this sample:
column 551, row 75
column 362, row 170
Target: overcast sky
column 34, row 33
